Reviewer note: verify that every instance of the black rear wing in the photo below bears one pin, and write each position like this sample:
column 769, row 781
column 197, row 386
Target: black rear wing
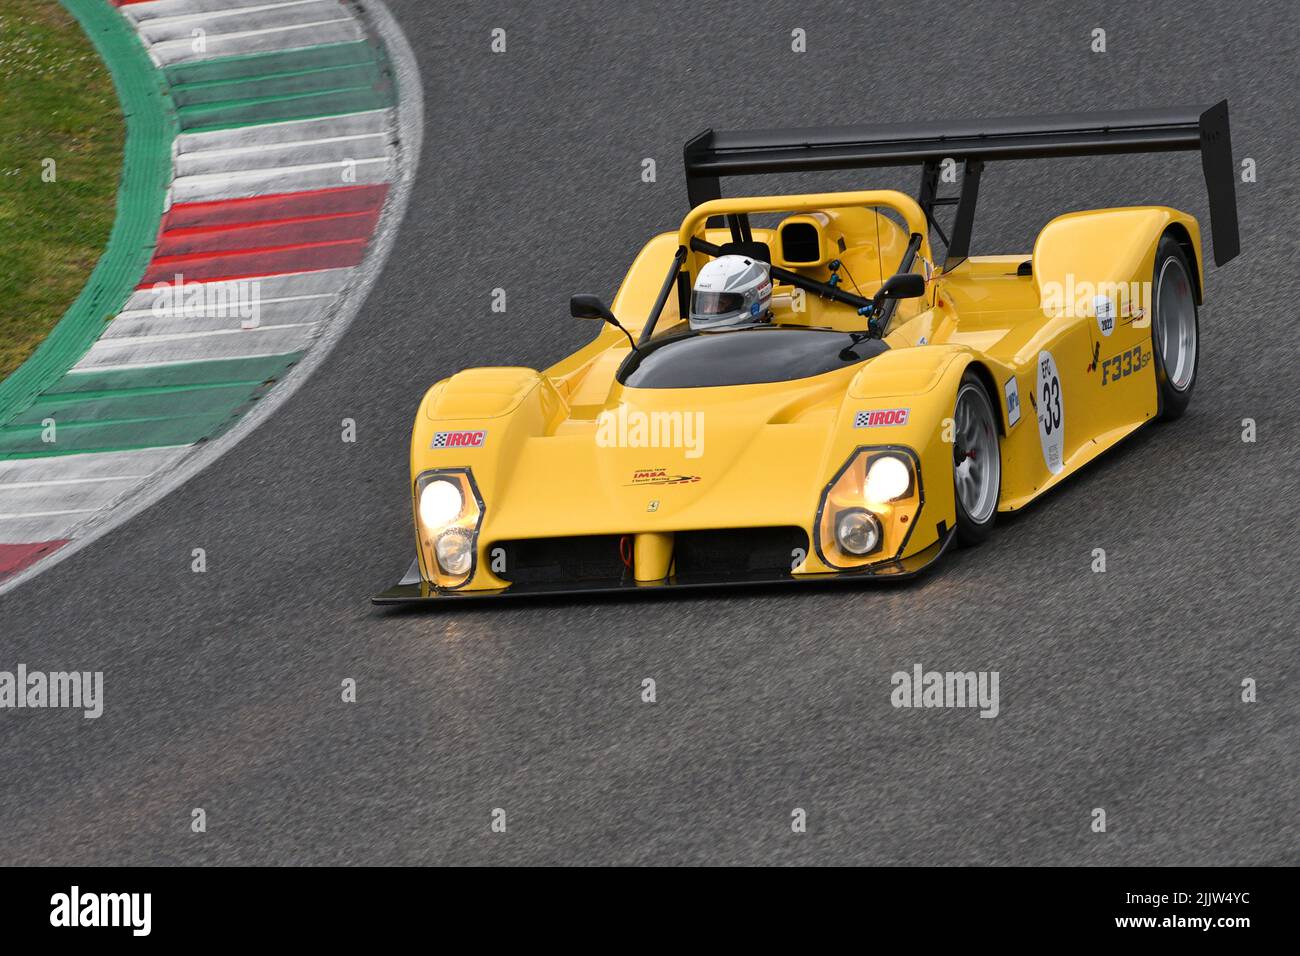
column 712, row 155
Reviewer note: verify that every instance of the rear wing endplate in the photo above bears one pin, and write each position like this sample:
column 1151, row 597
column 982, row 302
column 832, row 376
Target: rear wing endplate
column 712, row 155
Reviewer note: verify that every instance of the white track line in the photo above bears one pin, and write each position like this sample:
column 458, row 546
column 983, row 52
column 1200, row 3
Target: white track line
column 214, row 12
column 370, row 122
column 184, row 312
column 47, row 514
column 142, row 340
column 326, row 281
column 144, row 461
column 375, row 143
column 143, row 12
column 173, row 52
column 234, row 344
column 223, row 23
column 15, row 485
column 291, row 179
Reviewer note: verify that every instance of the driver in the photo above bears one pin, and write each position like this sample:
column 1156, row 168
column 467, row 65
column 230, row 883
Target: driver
column 731, row 292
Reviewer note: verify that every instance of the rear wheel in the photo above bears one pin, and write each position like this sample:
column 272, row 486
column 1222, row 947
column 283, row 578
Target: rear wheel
column 1175, row 330
column 977, row 461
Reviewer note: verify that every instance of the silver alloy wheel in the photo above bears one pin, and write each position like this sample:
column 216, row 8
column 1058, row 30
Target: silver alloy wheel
column 1176, row 324
column 977, row 466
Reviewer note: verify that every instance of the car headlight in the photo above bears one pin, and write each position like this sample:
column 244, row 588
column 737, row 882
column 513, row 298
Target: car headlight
column 857, row 531
column 455, row 551
column 440, row 503
column 869, row 509
column 888, row 479
column 448, row 513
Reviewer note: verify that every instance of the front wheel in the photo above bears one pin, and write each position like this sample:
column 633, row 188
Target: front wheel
column 977, row 461
column 1175, row 332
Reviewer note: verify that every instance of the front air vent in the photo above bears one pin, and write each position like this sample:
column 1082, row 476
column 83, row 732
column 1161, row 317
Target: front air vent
column 602, row 560
column 589, row 559
column 738, row 551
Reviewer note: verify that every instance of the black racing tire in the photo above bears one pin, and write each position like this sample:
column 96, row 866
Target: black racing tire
column 977, row 461
column 1175, row 329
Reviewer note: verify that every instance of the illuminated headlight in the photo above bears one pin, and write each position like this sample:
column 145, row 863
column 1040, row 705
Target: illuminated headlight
column 448, row 516
column 440, row 504
column 455, row 551
column 868, row 510
column 888, row 479
column 857, row 531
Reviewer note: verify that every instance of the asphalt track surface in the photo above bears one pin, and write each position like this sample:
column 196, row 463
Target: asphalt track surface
column 1118, row 690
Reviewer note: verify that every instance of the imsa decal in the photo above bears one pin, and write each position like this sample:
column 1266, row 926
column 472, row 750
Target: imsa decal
column 463, row 439
column 660, row 476
column 881, row 416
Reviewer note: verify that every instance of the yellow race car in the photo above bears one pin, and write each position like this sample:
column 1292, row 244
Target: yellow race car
column 871, row 404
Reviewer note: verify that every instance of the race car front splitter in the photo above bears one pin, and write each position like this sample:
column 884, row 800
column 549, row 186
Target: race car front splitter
column 412, row 589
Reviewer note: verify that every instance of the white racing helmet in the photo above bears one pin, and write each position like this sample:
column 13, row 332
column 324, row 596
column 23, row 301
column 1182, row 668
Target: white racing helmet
column 731, row 291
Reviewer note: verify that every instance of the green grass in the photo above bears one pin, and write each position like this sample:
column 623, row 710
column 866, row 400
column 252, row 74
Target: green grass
column 56, row 102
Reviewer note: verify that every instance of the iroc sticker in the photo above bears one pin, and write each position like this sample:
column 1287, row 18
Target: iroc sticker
column 464, row 439
column 881, row 416
column 1051, row 413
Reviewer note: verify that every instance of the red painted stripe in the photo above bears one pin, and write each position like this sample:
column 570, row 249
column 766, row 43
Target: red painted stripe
column 309, row 257
column 319, row 202
column 280, row 232
column 15, row 557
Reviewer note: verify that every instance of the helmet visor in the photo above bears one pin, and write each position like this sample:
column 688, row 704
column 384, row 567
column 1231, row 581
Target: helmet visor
column 716, row 303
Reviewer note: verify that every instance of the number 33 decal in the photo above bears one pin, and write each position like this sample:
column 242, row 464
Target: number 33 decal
column 1052, row 404
column 1051, row 413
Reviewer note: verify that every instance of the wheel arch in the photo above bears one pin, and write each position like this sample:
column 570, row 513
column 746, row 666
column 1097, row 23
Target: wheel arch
column 1178, row 232
column 1080, row 249
column 985, row 376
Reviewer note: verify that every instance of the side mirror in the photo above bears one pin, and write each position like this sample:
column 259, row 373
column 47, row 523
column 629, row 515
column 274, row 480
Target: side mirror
column 590, row 307
column 901, row 285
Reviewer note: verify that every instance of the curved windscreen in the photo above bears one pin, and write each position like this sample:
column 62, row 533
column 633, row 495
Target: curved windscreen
column 744, row 357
